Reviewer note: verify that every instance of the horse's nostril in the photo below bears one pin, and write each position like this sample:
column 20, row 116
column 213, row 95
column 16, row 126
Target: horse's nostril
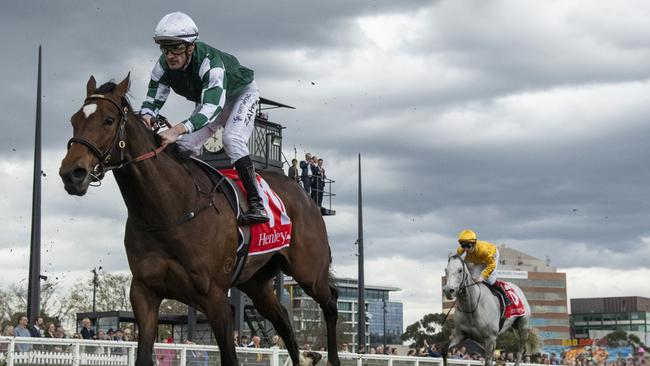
column 78, row 175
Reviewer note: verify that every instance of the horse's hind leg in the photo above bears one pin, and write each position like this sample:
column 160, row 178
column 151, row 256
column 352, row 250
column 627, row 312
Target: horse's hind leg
column 521, row 324
column 266, row 302
column 326, row 295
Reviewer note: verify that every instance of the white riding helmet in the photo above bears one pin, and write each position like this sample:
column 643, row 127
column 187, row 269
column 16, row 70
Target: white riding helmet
column 176, row 27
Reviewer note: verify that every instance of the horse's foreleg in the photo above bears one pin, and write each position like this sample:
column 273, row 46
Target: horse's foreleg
column 145, row 307
column 455, row 338
column 266, row 302
column 522, row 330
column 490, row 345
column 217, row 309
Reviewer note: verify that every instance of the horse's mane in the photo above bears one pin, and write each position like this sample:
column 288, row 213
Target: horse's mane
column 172, row 150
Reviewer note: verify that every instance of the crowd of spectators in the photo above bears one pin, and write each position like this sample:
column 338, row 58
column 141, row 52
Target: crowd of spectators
column 310, row 173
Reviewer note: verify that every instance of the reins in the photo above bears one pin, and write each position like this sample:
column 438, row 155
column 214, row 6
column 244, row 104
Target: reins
column 119, row 140
column 464, row 287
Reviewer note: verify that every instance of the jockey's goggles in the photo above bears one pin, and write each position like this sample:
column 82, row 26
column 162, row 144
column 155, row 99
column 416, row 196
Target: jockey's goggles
column 175, row 49
column 466, row 244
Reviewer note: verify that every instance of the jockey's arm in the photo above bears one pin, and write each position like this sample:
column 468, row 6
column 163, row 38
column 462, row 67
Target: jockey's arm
column 213, row 94
column 490, row 266
column 157, row 92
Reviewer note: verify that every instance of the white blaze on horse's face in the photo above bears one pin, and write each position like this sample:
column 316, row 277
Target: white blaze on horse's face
column 454, row 274
column 89, row 109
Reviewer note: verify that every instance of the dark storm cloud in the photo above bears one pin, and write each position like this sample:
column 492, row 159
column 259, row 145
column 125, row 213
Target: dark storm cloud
column 523, row 120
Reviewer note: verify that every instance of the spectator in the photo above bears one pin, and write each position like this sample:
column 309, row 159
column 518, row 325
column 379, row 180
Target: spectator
column 344, row 348
column 321, row 182
column 110, row 334
column 275, row 342
column 256, row 343
column 128, row 335
column 59, row 332
column 305, row 172
column 293, row 171
column 50, row 329
column 38, row 328
column 165, row 357
column 379, row 350
column 8, row 331
column 86, row 329
column 196, row 357
column 244, row 341
column 235, row 338
column 20, row 330
column 306, row 347
column 316, row 180
column 411, row 352
column 119, row 337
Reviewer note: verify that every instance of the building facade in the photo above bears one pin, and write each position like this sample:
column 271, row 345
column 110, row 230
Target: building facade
column 594, row 318
column 545, row 290
column 384, row 318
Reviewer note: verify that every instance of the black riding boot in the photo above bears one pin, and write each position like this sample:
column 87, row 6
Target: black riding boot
column 500, row 290
column 256, row 212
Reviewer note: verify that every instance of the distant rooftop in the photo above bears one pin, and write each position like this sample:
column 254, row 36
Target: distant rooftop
column 512, row 259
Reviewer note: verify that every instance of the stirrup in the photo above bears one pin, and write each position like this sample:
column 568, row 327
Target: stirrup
column 256, row 215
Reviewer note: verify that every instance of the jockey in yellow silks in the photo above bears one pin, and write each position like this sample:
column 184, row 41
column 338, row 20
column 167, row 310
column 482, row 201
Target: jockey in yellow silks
column 482, row 259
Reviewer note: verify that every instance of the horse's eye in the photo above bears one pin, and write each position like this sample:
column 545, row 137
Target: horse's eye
column 459, row 271
column 108, row 120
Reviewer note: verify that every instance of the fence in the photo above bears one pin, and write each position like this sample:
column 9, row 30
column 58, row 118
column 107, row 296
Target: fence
column 79, row 352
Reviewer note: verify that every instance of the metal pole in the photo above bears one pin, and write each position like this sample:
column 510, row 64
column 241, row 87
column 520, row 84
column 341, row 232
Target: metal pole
column 94, row 271
column 268, row 148
column 384, row 322
column 34, row 286
column 361, row 324
column 191, row 322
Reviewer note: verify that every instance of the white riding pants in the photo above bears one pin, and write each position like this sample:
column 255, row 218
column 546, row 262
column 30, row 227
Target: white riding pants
column 238, row 121
column 477, row 268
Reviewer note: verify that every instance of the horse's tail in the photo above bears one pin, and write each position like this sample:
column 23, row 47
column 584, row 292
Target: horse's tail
column 331, row 279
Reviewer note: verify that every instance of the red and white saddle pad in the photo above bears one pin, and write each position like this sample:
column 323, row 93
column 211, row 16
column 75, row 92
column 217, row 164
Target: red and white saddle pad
column 516, row 307
column 274, row 234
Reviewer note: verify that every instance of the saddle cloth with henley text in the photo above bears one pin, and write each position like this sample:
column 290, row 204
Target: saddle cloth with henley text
column 274, row 234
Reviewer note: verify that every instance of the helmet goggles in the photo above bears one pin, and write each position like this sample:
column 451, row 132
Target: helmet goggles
column 175, row 49
column 467, row 243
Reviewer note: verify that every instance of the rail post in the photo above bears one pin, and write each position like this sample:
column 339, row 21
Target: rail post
column 275, row 357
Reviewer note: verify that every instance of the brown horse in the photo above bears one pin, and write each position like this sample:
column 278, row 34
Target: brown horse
column 180, row 235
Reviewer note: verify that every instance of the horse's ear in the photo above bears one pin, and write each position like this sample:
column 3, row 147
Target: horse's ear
column 91, row 86
column 123, row 87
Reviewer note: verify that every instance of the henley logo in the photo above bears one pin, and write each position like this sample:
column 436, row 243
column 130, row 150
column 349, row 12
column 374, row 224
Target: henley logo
column 273, row 238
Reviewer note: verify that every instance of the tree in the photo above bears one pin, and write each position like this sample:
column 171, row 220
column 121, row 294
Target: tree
column 434, row 328
column 509, row 341
column 620, row 338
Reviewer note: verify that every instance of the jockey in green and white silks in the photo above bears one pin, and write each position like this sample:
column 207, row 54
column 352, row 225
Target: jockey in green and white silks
column 224, row 92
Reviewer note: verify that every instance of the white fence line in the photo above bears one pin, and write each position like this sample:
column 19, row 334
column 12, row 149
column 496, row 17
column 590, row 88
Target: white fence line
column 17, row 351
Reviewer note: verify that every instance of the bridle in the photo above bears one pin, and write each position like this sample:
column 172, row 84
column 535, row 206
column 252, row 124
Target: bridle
column 464, row 286
column 119, row 141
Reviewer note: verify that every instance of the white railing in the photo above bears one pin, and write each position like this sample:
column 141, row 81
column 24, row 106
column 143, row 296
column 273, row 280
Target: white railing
column 20, row 351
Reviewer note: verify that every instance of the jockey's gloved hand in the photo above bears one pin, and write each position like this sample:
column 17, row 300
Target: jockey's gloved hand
column 478, row 279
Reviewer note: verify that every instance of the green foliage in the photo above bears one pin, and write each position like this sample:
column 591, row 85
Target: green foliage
column 430, row 329
column 509, row 341
column 620, row 338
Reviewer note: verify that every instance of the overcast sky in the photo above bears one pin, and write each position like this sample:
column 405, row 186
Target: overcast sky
column 526, row 121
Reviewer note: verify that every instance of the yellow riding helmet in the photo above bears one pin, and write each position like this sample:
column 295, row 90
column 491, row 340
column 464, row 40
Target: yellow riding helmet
column 466, row 236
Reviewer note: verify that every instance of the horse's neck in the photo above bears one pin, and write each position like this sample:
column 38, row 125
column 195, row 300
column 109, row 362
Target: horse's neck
column 154, row 190
column 471, row 294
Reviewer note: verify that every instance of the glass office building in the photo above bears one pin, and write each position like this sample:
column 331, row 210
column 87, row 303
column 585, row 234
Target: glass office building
column 383, row 316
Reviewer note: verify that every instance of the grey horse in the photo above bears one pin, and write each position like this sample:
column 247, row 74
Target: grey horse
column 477, row 315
